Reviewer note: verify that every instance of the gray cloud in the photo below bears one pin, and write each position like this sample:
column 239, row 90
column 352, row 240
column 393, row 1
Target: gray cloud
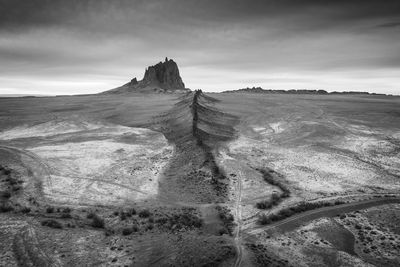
column 53, row 42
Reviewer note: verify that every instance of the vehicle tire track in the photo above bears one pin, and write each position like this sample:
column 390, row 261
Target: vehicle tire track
column 238, row 205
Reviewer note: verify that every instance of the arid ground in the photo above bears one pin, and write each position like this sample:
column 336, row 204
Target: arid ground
column 198, row 179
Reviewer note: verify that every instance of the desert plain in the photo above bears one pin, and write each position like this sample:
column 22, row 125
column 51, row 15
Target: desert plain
column 200, row 179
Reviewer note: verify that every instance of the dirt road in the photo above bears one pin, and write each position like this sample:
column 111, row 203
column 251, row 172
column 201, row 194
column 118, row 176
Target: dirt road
column 295, row 221
column 239, row 221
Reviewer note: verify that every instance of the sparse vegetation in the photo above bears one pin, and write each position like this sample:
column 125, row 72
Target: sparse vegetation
column 26, row 210
column 5, row 194
column 144, row 213
column 180, row 221
column 66, row 216
column 226, row 218
column 267, row 204
column 127, row 231
column 287, row 212
column 50, row 209
column 52, row 224
column 269, row 177
column 5, row 207
column 97, row 222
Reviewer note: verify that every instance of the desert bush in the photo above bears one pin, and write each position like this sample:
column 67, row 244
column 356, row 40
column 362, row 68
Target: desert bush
column 269, row 178
column 179, row 221
column 5, row 194
column 127, row 231
column 25, row 210
column 133, row 211
column 263, row 219
column 223, row 231
column 264, row 204
column 97, row 222
column 339, row 202
column 144, row 213
column 66, row 216
column 4, row 207
column 186, row 220
column 226, row 218
column 50, row 209
column 52, row 224
column 66, row 210
column 122, row 216
column 267, row 204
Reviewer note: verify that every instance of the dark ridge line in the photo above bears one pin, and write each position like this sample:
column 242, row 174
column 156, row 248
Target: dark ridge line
column 217, row 173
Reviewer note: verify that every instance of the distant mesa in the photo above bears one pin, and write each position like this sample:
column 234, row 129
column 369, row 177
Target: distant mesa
column 259, row 90
column 162, row 77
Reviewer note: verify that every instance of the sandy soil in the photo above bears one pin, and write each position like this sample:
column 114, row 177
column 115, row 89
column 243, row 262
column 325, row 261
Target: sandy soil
column 112, row 164
column 173, row 190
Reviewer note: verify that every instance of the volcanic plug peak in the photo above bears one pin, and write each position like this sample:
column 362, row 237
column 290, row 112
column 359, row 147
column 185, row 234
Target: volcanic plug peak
column 166, row 74
column 162, row 77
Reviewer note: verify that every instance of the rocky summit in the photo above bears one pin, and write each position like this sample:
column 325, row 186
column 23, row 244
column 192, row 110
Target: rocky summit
column 162, row 77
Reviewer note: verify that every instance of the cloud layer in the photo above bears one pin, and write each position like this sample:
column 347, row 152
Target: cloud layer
column 87, row 46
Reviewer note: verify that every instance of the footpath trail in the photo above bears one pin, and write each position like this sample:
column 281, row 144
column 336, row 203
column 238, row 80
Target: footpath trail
column 295, row 221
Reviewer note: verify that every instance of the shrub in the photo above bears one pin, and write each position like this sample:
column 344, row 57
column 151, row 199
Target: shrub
column 122, row 216
column 97, row 222
column 52, row 224
column 16, row 188
column 186, row 220
column 135, row 228
column 127, row 231
column 50, row 209
column 67, row 210
column 6, row 207
column 25, row 210
column 226, row 218
column 339, row 202
column 263, row 219
column 263, row 205
column 144, row 213
column 5, row 194
column 133, row 211
column 223, row 231
column 66, row 216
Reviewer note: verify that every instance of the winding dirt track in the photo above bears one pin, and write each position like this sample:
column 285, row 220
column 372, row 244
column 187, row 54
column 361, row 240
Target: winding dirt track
column 238, row 204
column 295, row 221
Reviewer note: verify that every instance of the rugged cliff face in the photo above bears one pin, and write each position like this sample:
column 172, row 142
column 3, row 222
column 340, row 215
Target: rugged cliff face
column 165, row 74
column 162, row 77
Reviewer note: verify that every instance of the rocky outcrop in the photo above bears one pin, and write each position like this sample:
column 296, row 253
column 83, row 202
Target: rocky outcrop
column 165, row 74
column 162, row 77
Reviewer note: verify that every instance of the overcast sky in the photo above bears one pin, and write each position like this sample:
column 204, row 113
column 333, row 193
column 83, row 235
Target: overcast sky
column 77, row 46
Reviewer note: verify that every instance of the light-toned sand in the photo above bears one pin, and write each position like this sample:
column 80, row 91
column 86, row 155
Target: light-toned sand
column 112, row 164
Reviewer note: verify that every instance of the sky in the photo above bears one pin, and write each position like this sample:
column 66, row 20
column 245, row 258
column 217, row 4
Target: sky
column 87, row 46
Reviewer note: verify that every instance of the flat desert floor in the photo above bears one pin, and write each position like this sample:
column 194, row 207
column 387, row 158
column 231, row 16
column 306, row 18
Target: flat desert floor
column 200, row 179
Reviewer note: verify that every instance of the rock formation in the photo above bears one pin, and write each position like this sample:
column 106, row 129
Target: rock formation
column 162, row 77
